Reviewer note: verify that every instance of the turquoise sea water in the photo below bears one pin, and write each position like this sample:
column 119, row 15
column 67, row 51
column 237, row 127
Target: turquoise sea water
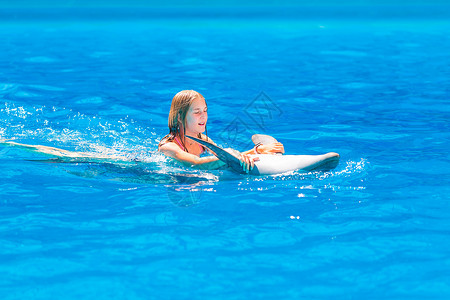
column 375, row 91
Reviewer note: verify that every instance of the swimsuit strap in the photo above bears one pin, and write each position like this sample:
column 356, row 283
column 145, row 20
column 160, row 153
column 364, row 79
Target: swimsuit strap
column 178, row 142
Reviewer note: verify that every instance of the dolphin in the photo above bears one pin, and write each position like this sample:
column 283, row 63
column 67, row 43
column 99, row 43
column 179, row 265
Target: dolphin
column 269, row 164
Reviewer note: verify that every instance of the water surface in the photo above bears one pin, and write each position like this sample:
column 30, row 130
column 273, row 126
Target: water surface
column 376, row 91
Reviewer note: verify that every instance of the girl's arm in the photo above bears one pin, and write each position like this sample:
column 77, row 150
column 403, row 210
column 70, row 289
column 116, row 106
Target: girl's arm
column 266, row 149
column 173, row 150
column 210, row 162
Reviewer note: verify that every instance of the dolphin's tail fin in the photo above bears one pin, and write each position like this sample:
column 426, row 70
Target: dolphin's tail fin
column 263, row 139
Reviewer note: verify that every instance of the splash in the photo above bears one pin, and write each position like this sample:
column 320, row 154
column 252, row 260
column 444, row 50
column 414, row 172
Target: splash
column 348, row 176
column 64, row 128
column 115, row 150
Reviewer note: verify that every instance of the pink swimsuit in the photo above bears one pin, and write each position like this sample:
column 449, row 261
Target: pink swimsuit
column 178, row 142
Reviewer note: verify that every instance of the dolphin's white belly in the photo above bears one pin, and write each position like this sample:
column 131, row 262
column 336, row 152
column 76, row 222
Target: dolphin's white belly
column 277, row 164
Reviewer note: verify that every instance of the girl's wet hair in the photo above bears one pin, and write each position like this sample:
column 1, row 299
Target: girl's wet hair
column 179, row 107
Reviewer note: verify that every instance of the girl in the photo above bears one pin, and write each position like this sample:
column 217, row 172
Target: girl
column 188, row 116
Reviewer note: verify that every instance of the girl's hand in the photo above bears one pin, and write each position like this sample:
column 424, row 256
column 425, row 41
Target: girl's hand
column 248, row 162
column 270, row 148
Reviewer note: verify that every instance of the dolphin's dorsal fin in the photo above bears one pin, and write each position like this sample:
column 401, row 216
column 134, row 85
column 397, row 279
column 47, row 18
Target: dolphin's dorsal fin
column 263, row 139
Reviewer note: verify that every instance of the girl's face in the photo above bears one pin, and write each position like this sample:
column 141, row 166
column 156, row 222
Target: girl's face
column 196, row 117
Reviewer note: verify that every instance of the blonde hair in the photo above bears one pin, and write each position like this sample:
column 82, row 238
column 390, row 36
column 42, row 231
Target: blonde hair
column 179, row 107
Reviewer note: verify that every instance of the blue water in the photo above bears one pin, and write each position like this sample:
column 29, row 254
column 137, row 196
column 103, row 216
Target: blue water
column 375, row 91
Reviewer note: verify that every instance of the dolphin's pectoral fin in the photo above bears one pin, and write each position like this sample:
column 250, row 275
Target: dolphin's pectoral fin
column 232, row 161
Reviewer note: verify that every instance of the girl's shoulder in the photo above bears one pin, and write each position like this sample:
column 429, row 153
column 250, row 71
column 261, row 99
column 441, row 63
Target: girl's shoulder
column 167, row 140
